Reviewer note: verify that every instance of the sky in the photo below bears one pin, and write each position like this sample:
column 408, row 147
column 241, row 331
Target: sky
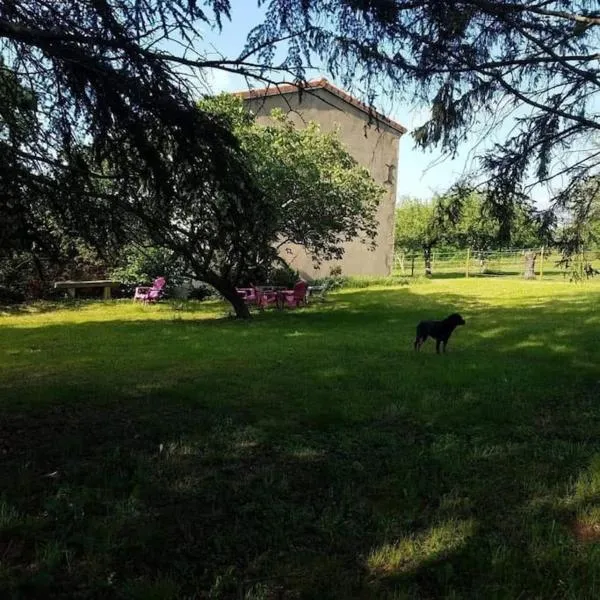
column 421, row 174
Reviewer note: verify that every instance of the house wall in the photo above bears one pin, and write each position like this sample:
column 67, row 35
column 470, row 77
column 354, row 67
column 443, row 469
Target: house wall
column 373, row 146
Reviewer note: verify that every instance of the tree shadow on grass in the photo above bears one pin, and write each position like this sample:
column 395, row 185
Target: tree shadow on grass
column 324, row 464
column 145, row 498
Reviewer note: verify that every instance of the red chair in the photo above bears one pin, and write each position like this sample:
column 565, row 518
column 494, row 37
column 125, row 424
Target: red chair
column 296, row 297
column 254, row 296
column 266, row 299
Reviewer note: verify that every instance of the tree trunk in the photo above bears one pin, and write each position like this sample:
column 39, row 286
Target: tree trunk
column 427, row 257
column 530, row 265
column 228, row 291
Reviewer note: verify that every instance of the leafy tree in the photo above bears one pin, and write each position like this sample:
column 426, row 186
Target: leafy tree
column 475, row 226
column 320, row 197
column 465, row 222
column 581, row 226
column 418, row 228
column 136, row 264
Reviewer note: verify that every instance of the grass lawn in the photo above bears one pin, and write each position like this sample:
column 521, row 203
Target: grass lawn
column 164, row 452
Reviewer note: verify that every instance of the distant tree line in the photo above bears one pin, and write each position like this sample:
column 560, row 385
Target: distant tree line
column 445, row 224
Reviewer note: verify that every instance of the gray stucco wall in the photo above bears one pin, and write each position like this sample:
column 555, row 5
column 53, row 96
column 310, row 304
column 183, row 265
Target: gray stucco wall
column 375, row 146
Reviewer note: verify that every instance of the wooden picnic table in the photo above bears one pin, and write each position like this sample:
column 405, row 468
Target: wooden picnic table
column 72, row 286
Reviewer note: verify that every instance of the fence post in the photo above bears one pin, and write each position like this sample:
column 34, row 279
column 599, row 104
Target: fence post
column 467, row 264
column 542, row 263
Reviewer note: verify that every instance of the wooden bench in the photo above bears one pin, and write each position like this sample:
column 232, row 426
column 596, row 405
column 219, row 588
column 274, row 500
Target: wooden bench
column 71, row 286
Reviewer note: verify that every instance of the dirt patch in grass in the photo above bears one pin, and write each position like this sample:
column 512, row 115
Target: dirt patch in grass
column 586, row 533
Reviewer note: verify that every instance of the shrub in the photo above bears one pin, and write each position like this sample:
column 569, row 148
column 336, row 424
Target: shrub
column 202, row 291
column 141, row 266
column 283, row 275
column 360, row 282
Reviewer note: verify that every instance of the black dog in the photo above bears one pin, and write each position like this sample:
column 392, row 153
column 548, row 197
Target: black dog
column 438, row 330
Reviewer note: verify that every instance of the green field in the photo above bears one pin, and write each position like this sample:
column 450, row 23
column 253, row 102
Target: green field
column 167, row 452
column 496, row 263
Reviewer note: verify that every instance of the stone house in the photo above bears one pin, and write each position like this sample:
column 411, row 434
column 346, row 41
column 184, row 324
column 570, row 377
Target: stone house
column 370, row 137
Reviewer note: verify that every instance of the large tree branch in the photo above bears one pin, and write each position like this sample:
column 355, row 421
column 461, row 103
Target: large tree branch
column 534, row 103
column 502, row 8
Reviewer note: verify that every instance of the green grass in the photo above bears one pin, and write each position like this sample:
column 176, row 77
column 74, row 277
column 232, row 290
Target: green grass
column 167, row 452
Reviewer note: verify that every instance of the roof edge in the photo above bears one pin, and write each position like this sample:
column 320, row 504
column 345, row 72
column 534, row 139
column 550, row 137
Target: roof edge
column 321, row 83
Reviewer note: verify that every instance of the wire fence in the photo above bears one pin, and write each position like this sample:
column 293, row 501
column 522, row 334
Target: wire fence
column 516, row 262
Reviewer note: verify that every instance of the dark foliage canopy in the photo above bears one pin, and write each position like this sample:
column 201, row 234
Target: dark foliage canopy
column 100, row 133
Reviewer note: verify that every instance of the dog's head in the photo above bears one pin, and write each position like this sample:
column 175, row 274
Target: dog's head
column 456, row 320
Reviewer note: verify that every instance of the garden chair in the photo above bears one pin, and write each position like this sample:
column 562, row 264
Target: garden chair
column 150, row 294
column 296, row 297
column 318, row 291
column 254, row 296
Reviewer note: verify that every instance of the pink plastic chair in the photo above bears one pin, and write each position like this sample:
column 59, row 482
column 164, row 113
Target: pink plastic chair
column 296, row 297
column 256, row 297
column 266, row 299
column 150, row 294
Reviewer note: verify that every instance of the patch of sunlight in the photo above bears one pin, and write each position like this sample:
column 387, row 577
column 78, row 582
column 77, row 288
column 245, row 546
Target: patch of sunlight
column 560, row 348
column 246, row 444
column 306, row 453
column 584, row 501
column 359, row 289
column 561, row 333
column 491, row 333
column 455, row 501
column 33, row 316
column 510, row 293
column 590, row 515
column 297, row 334
column 338, row 305
column 412, row 551
column 530, row 344
column 587, row 485
column 178, row 449
column 495, row 450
